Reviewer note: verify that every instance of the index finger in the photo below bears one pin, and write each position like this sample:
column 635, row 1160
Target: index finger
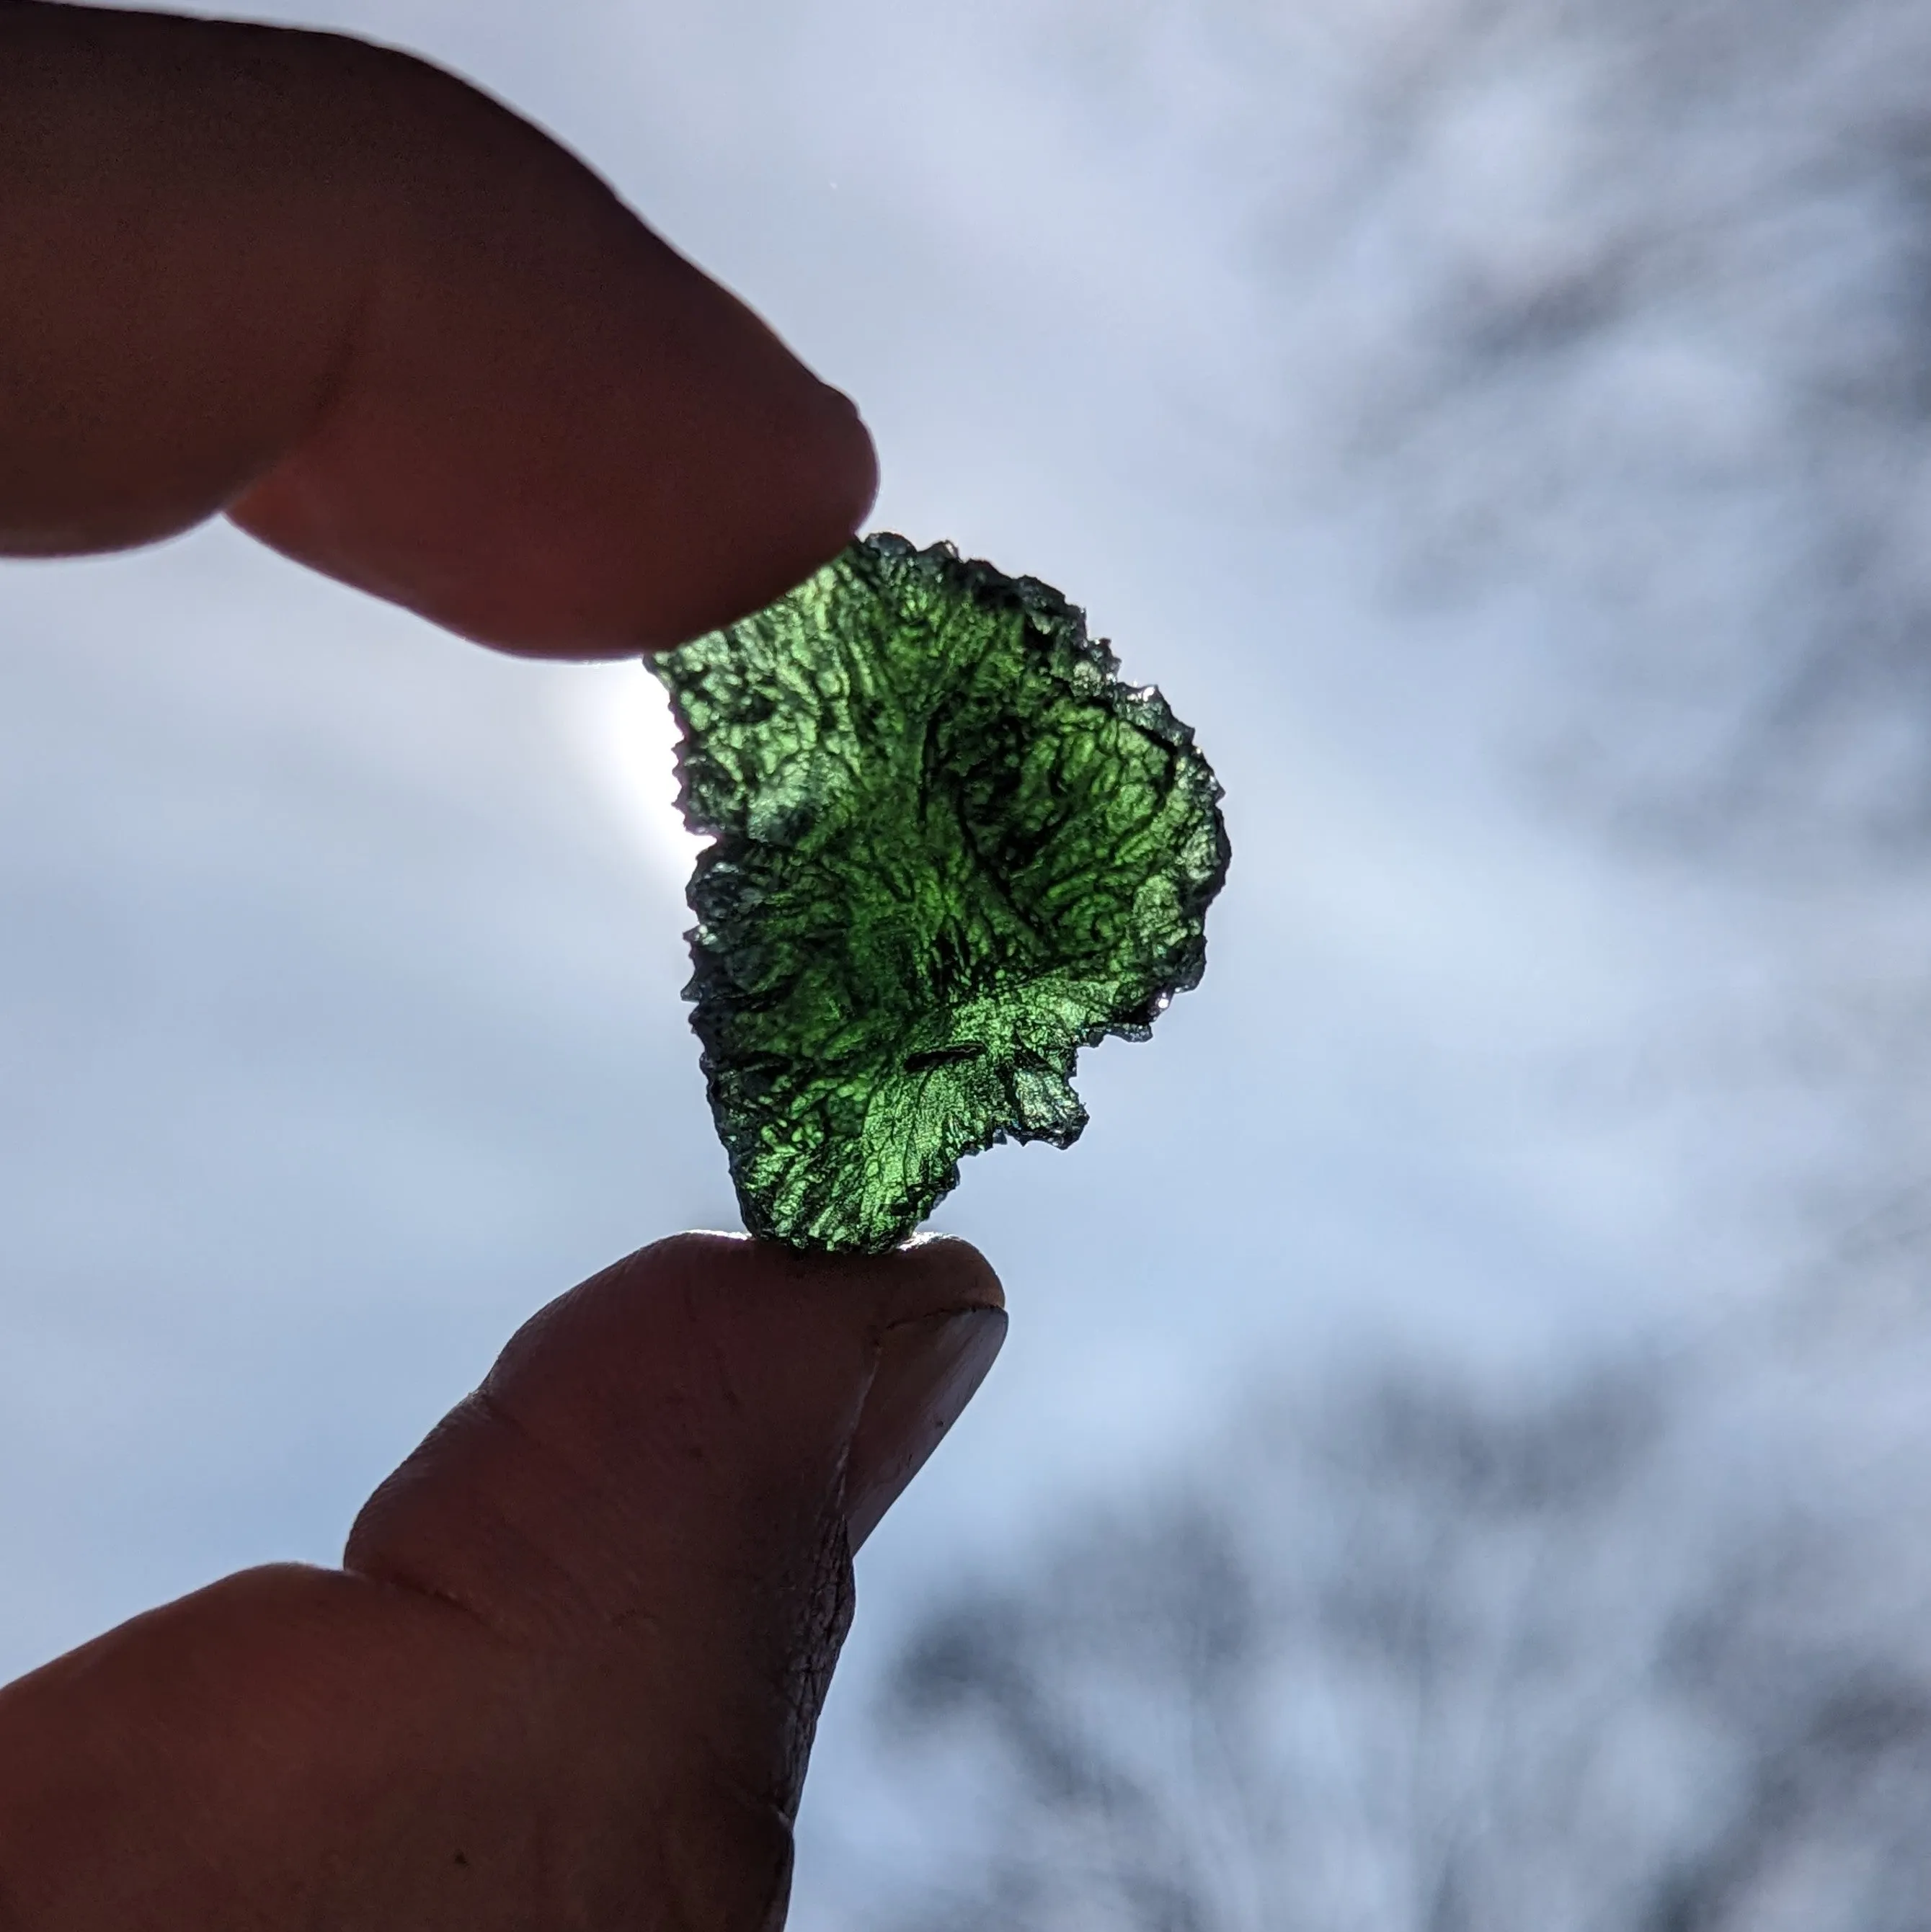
column 392, row 330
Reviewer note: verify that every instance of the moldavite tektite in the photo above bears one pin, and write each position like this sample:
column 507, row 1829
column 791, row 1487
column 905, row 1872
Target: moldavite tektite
column 951, row 849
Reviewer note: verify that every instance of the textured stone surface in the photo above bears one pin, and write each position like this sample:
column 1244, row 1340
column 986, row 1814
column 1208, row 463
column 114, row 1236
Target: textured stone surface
column 951, row 848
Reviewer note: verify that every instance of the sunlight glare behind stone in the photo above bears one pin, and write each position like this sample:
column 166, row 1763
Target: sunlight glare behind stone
column 619, row 716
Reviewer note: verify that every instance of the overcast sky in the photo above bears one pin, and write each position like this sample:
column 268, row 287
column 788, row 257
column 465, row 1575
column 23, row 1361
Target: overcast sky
column 339, row 961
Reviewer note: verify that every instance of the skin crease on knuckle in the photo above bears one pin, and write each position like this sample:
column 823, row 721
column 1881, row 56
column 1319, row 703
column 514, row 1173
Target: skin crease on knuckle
column 394, row 331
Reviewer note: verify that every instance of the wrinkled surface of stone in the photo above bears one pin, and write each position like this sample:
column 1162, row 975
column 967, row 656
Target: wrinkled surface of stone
column 950, row 848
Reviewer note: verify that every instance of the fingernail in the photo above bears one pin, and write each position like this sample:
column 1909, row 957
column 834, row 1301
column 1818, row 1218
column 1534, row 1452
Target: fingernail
column 929, row 1369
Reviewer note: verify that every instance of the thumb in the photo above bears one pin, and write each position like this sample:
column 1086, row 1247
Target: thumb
column 656, row 1491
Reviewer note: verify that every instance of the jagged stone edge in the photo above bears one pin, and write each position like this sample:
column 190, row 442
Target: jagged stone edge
column 1059, row 621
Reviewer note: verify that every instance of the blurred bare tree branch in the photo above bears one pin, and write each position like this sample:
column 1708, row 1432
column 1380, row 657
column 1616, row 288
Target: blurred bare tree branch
column 1615, row 314
column 1668, row 366
column 1610, row 320
column 1441, row 1663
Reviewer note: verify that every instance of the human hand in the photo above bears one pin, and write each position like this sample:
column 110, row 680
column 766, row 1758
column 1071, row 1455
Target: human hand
column 568, row 1674
column 390, row 329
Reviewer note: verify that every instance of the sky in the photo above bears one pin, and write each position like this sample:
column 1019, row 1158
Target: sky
column 339, row 961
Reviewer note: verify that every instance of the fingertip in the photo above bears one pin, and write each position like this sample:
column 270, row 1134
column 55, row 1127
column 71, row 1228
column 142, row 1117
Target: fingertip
column 850, row 467
column 929, row 1274
column 805, row 496
column 668, row 1412
column 933, row 1317
column 948, row 1329
column 949, row 1271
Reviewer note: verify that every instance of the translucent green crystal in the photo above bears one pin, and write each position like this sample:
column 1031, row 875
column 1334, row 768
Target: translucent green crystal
column 951, row 849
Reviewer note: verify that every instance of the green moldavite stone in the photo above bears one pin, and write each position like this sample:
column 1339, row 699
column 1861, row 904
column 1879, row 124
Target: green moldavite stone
column 951, row 849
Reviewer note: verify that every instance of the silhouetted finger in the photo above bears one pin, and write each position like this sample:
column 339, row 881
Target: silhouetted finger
column 569, row 1675
column 658, row 1474
column 392, row 329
